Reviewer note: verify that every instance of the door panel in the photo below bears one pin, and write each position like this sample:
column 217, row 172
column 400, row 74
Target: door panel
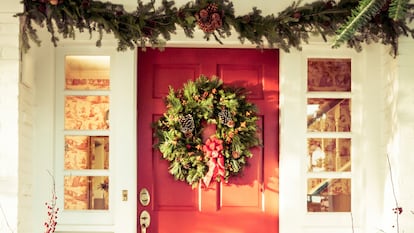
column 170, row 194
column 248, row 203
column 180, row 73
column 247, row 75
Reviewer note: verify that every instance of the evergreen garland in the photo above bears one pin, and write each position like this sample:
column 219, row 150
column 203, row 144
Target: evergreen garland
column 353, row 22
column 179, row 132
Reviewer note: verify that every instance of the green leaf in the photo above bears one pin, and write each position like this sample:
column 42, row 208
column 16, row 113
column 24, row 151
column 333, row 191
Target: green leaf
column 190, row 19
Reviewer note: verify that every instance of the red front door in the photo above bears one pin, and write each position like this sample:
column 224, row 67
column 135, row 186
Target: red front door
column 246, row 204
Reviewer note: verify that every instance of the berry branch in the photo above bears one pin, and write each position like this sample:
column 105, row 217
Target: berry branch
column 397, row 209
column 52, row 210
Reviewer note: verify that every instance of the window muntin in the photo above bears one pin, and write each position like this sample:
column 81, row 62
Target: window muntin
column 329, row 134
column 86, row 160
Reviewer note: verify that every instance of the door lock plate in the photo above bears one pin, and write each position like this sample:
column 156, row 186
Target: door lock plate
column 144, row 197
column 144, row 219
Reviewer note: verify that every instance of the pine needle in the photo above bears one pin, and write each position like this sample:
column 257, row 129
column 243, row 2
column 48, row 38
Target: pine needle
column 359, row 17
column 398, row 9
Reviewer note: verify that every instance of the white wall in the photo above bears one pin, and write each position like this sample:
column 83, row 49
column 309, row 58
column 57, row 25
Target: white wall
column 9, row 79
column 26, row 132
column 401, row 150
column 39, row 67
column 371, row 158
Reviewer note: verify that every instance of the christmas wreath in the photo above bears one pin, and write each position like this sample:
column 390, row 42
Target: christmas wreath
column 207, row 131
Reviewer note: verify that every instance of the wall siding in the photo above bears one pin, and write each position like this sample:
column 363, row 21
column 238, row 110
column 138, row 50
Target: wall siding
column 403, row 156
column 40, row 72
column 26, row 115
column 9, row 79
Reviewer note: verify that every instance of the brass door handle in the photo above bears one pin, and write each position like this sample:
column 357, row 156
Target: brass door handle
column 144, row 221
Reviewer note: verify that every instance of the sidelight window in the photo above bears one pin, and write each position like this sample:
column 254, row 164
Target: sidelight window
column 86, row 161
column 329, row 135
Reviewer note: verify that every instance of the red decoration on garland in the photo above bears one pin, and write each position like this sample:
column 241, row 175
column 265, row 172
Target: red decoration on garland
column 210, row 18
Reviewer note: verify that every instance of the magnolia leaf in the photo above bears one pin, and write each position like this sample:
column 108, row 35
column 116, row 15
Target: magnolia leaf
column 190, row 19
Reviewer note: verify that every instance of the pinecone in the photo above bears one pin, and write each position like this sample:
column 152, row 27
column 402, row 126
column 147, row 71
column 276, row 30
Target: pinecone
column 86, row 3
column 209, row 19
column 213, row 7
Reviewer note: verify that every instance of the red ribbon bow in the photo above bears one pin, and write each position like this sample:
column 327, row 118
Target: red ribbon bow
column 213, row 149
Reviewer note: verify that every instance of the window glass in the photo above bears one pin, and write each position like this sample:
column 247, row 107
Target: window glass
column 86, row 112
column 86, row 152
column 86, row 192
column 327, row 74
column 329, row 154
column 329, row 195
column 328, row 115
column 87, row 72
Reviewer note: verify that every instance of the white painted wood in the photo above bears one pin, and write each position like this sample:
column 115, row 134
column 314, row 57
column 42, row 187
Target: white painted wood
column 9, row 120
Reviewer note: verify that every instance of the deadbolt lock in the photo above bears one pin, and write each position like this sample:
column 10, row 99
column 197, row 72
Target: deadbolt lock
column 144, row 197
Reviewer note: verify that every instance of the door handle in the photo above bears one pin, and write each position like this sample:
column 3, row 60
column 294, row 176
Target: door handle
column 144, row 221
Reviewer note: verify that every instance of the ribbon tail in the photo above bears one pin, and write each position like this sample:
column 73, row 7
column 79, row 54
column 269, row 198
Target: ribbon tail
column 220, row 166
column 211, row 167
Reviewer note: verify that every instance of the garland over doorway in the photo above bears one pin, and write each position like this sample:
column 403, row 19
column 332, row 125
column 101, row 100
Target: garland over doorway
column 353, row 22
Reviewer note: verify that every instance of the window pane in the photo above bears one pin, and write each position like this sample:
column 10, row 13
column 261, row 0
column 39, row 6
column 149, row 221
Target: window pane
column 329, row 154
column 329, row 115
column 326, row 74
column 329, row 195
column 87, row 72
column 86, row 152
column 86, row 112
column 86, row 192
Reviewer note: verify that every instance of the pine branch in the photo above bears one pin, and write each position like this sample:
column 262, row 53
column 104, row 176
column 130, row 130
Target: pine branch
column 398, row 9
column 360, row 16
